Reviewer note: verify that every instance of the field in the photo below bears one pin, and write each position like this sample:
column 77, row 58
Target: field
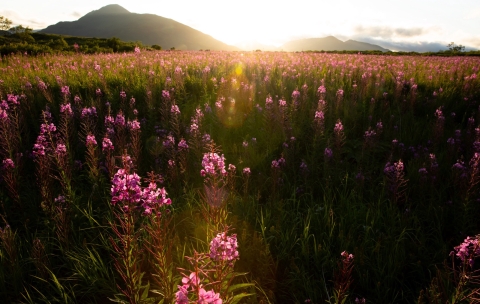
column 256, row 177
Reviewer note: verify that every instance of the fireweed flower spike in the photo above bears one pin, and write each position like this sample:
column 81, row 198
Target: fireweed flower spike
column 224, row 248
column 213, row 165
column 468, row 250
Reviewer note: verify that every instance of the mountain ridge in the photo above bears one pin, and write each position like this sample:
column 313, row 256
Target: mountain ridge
column 152, row 29
column 329, row 43
column 149, row 29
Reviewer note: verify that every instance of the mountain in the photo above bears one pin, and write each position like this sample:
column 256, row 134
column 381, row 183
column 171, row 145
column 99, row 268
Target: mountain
column 329, row 43
column 115, row 21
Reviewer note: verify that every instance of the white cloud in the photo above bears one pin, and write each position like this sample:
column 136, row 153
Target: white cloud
column 18, row 19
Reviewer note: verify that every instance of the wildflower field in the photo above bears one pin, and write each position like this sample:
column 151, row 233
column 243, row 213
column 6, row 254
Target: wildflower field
column 228, row 177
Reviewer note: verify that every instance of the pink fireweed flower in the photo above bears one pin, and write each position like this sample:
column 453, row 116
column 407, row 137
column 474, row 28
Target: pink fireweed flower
column 8, row 164
column 206, row 297
column 277, row 164
column 198, row 115
column 213, row 165
column 3, row 114
column 379, row 126
column 61, row 149
column 321, row 90
column 13, row 99
column 107, row 145
column 268, row 102
column 282, row 103
column 347, row 257
column 468, row 250
column 42, row 86
column 338, row 127
column 4, row 105
column 192, row 279
column 133, row 125
column 38, row 150
column 120, row 120
column 126, row 188
column 60, row 199
column 123, row 95
column 66, row 109
column 181, row 296
column 169, row 142
column 89, row 112
column 109, row 121
column 137, row 50
column 246, row 171
column 319, row 116
column 182, row 145
column 98, row 92
column 295, row 95
column 394, row 171
column 65, row 90
column 165, row 95
column 153, row 197
column 370, row 135
column 224, row 248
column 206, row 138
column 328, row 153
column 91, row 140
column 45, row 128
column 175, row 110
column 193, row 128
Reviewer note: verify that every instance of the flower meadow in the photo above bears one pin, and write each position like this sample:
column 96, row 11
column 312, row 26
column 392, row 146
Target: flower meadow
column 229, row 177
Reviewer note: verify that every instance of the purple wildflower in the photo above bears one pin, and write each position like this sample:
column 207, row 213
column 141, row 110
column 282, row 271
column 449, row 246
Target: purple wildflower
column 224, row 248
column 91, row 140
column 107, row 145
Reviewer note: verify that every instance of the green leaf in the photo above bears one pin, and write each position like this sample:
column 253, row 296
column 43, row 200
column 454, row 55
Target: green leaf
column 238, row 297
column 145, row 291
column 239, row 286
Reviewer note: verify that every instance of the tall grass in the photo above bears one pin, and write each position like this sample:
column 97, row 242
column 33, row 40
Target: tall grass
column 301, row 158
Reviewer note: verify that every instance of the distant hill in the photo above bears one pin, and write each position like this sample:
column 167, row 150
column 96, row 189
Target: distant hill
column 115, row 21
column 329, row 43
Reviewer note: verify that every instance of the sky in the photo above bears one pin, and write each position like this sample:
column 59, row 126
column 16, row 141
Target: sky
column 395, row 24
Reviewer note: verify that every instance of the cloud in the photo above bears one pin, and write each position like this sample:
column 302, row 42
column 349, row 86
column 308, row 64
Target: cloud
column 76, row 14
column 18, row 19
column 474, row 42
column 389, row 32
